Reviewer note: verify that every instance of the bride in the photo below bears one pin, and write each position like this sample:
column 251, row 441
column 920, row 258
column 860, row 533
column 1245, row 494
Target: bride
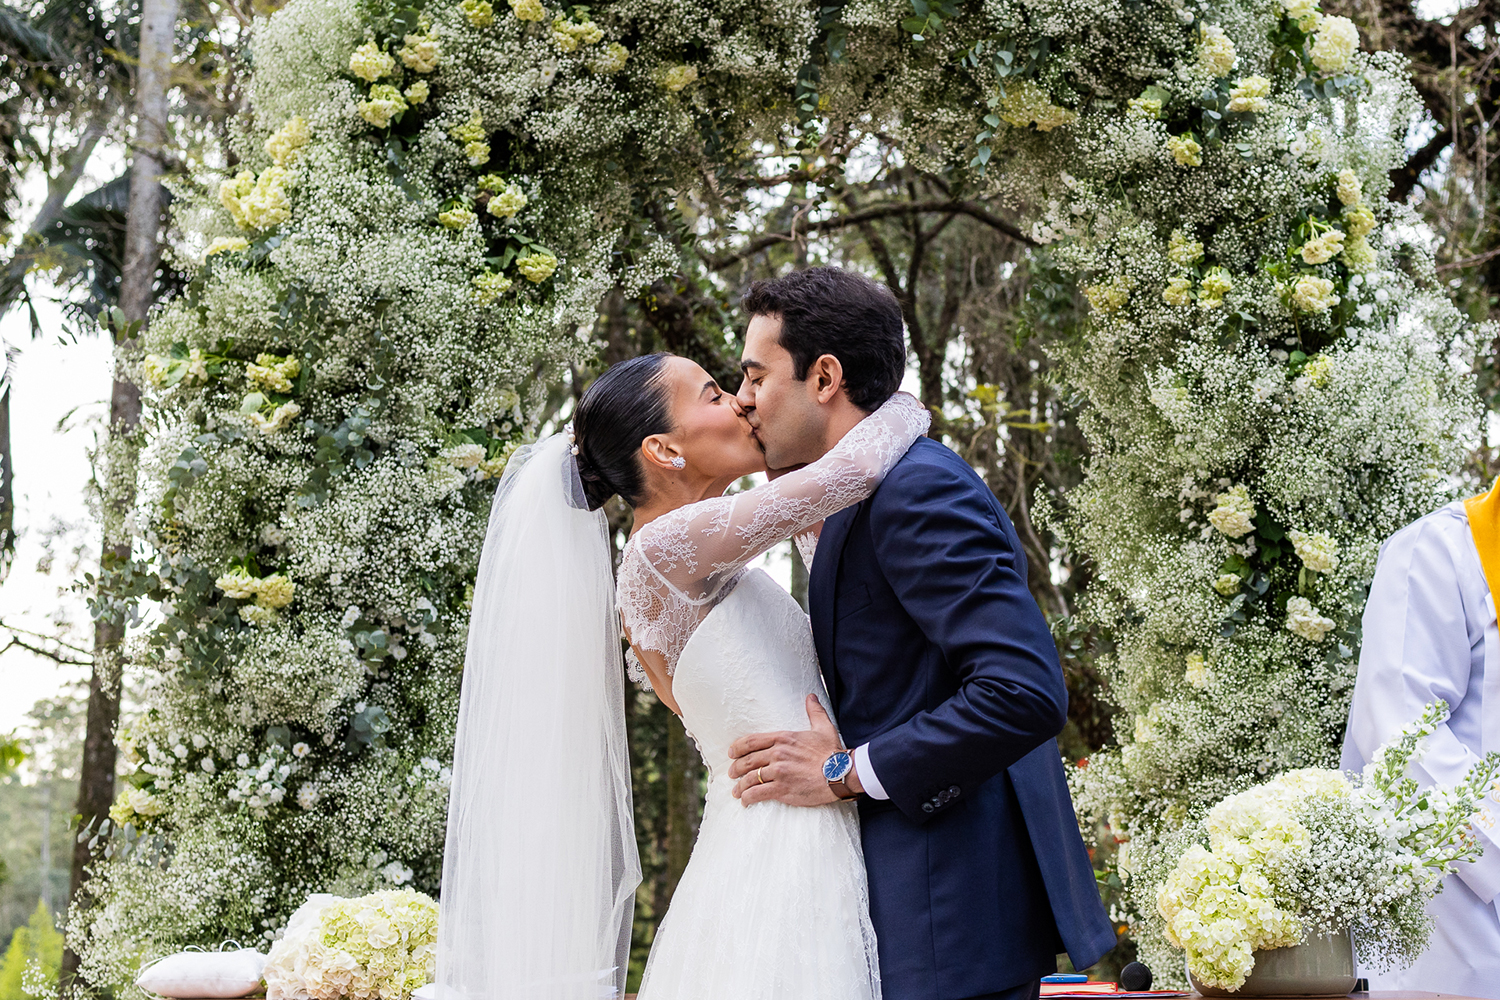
column 540, row 865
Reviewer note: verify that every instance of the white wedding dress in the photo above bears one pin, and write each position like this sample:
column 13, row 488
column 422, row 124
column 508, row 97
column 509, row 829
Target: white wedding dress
column 773, row 904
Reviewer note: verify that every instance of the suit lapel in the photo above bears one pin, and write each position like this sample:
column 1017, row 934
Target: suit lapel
column 822, row 586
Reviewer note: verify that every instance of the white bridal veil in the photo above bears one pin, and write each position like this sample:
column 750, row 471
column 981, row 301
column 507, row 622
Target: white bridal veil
column 540, row 868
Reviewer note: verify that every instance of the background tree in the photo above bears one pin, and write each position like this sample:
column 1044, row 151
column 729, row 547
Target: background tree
column 1452, row 176
column 138, row 290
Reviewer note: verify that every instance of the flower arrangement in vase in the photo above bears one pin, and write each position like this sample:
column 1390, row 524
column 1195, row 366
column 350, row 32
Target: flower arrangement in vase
column 1315, row 854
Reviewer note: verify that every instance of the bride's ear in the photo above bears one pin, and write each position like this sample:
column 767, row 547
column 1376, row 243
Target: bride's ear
column 661, row 454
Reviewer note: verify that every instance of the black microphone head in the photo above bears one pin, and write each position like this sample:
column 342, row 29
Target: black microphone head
column 1135, row 977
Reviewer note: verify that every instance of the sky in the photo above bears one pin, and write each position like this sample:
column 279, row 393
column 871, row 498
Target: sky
column 53, row 378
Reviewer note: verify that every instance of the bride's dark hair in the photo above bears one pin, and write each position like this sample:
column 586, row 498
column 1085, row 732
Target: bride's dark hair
column 624, row 406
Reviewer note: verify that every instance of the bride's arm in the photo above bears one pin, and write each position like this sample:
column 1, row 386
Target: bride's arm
column 697, row 547
column 806, row 540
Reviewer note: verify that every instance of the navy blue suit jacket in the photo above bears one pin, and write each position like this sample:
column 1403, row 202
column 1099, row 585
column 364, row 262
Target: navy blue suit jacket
column 936, row 654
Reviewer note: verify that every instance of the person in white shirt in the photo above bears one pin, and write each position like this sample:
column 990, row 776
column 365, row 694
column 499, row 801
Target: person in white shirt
column 1429, row 634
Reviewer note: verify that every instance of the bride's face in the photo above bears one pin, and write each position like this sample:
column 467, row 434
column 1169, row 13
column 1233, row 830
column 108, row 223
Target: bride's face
column 709, row 429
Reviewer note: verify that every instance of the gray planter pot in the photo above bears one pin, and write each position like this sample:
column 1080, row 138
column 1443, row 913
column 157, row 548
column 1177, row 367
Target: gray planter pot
column 1324, row 967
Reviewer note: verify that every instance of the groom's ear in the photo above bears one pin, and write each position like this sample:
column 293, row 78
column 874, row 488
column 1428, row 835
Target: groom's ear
column 826, row 377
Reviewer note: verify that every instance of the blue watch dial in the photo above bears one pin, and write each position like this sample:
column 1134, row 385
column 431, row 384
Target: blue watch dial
column 838, row 766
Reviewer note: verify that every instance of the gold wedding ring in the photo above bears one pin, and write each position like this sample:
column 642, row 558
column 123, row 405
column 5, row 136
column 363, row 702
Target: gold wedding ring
column 759, row 776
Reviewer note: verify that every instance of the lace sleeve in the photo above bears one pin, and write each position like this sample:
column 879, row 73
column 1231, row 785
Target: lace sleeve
column 677, row 565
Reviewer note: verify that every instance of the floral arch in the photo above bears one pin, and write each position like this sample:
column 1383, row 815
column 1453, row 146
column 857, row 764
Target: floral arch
column 430, row 203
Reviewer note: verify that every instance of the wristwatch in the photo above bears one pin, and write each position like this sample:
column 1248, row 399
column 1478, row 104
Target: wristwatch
column 836, row 769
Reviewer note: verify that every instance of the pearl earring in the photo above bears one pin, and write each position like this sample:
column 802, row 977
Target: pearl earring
column 679, row 462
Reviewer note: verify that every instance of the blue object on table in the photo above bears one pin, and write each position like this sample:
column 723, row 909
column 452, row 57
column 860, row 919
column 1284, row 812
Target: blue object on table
column 1065, row 978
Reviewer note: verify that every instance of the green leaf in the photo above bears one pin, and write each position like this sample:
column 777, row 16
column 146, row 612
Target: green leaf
column 992, row 120
column 914, row 25
column 253, row 403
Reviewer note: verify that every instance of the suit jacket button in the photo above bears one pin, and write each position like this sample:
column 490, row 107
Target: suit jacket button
column 927, row 807
column 953, row 790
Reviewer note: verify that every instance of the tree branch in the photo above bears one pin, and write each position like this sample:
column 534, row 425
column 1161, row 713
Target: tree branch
column 973, row 210
column 50, row 654
column 46, row 638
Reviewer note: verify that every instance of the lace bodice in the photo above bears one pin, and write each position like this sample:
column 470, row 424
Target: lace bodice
column 678, row 567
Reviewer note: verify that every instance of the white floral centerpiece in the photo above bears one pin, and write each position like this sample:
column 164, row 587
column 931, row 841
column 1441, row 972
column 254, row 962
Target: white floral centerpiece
column 383, row 945
column 1315, row 852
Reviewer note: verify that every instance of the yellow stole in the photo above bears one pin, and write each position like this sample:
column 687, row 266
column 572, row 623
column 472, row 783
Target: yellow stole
column 1484, row 525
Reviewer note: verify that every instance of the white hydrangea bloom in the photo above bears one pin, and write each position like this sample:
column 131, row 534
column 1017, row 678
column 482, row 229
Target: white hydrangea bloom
column 1197, row 673
column 1318, row 551
column 1305, row 620
column 1216, row 52
column 1227, row 584
column 1250, row 94
column 369, row 63
column 1350, row 190
column 1234, row 514
column 1336, row 40
column 1313, row 294
column 1321, row 249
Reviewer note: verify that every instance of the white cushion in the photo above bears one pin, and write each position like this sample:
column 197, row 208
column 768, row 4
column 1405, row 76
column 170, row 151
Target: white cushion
column 209, row 975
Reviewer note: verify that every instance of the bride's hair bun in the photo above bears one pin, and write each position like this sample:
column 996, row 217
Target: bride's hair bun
column 624, row 406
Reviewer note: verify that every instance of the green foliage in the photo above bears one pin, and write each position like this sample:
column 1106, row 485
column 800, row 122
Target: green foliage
column 30, row 967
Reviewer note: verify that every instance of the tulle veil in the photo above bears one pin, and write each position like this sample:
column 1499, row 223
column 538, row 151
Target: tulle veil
column 540, row 866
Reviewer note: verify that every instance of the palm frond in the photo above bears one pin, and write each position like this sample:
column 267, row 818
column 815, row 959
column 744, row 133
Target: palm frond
column 83, row 250
column 28, row 39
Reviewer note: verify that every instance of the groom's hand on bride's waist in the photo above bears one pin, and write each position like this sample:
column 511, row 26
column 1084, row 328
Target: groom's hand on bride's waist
column 788, row 766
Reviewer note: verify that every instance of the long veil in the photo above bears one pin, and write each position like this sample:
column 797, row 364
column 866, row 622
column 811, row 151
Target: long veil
column 540, row 868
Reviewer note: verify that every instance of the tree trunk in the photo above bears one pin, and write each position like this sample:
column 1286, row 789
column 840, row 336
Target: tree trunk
column 7, row 491
column 799, row 577
column 684, row 807
column 96, row 784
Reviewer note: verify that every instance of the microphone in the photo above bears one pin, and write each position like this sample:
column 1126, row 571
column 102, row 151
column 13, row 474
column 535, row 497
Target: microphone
column 1135, row 978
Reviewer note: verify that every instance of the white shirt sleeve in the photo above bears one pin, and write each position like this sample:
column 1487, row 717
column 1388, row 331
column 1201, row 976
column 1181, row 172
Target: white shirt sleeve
column 866, row 771
column 1427, row 625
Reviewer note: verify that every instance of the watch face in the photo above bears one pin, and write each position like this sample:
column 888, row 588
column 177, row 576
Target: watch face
column 837, row 767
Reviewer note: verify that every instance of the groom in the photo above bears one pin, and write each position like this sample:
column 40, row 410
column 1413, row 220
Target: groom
column 940, row 666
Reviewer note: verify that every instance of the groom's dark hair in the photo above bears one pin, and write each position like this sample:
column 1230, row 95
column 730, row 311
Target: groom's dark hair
column 828, row 310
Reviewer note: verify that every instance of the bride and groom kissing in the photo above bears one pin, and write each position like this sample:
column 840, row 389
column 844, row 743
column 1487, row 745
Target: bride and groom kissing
column 886, row 811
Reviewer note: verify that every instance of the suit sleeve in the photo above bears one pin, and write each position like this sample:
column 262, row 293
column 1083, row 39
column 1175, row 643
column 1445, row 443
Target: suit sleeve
column 958, row 571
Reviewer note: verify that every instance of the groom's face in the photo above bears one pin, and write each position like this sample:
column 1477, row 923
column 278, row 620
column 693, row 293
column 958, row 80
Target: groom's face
column 789, row 422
